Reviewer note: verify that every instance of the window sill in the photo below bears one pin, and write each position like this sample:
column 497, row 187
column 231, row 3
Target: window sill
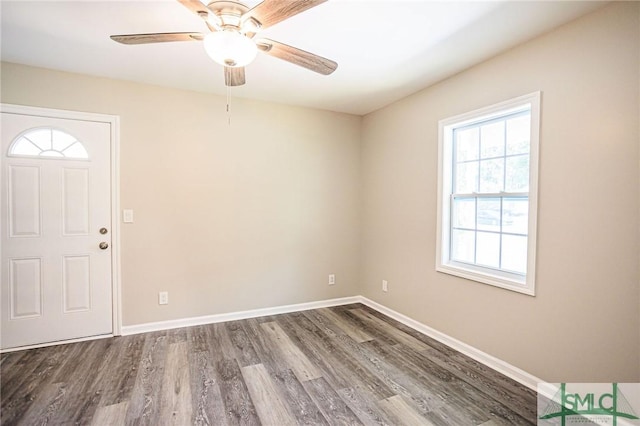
column 486, row 278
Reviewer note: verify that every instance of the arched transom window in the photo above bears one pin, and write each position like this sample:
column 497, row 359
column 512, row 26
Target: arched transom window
column 48, row 142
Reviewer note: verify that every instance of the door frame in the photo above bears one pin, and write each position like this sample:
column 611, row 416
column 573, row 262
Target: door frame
column 114, row 122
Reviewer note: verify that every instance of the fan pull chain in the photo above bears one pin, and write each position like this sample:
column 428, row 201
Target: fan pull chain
column 228, row 106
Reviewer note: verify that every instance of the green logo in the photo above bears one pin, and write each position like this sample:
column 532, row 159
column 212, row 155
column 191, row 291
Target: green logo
column 585, row 405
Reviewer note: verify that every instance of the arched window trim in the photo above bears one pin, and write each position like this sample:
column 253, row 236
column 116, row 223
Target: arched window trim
column 23, row 136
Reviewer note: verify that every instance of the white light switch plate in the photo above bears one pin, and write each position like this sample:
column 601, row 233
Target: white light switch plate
column 127, row 216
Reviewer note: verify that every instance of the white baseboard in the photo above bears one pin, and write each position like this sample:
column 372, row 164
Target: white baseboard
column 234, row 316
column 490, row 361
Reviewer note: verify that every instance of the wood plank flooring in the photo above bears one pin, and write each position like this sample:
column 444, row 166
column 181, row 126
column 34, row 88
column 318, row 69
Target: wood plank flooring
column 346, row 365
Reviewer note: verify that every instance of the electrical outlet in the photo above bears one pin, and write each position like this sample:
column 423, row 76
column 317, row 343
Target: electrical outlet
column 332, row 279
column 163, row 298
column 385, row 286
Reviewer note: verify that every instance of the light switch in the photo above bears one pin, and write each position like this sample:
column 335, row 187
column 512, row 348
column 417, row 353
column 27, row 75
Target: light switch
column 127, row 216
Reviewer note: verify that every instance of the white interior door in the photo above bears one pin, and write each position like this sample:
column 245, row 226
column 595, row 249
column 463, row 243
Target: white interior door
column 55, row 200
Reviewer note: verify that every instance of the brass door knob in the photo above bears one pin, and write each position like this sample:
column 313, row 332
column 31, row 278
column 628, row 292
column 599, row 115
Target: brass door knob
column 103, row 245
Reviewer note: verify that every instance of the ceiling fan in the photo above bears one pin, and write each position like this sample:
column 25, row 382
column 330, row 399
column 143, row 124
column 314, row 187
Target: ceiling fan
column 233, row 27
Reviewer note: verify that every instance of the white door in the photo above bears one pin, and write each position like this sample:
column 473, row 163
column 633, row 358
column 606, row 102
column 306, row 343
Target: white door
column 56, row 256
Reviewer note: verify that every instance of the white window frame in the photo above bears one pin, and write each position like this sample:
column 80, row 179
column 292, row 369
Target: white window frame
column 519, row 283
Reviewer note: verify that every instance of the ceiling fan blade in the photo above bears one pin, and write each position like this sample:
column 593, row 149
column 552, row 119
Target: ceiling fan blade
column 156, row 38
column 270, row 12
column 197, row 7
column 297, row 56
column 234, row 76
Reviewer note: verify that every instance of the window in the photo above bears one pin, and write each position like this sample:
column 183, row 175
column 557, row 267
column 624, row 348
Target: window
column 49, row 143
column 487, row 194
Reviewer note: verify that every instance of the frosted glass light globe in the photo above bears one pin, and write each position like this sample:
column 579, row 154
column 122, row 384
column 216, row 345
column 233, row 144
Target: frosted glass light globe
column 230, row 48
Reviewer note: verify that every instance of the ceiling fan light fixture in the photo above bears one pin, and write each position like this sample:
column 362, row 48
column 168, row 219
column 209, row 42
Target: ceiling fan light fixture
column 230, row 48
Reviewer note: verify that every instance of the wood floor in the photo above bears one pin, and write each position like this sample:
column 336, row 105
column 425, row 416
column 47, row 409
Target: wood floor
column 345, row 365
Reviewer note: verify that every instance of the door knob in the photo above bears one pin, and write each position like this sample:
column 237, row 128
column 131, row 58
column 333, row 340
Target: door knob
column 103, row 231
column 103, row 245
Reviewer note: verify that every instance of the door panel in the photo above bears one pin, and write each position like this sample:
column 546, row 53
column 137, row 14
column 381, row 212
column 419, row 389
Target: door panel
column 24, row 201
column 75, row 202
column 76, row 281
column 25, row 277
column 56, row 281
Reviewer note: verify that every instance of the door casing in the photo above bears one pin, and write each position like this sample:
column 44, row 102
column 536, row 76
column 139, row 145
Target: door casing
column 114, row 122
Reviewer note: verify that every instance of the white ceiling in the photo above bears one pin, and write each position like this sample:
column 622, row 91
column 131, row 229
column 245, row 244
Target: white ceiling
column 386, row 49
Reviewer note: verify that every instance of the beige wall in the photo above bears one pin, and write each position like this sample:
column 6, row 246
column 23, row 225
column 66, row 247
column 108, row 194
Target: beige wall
column 227, row 218
column 256, row 214
column 584, row 323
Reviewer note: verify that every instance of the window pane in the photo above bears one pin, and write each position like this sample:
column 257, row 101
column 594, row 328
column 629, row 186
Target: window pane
column 24, row 147
column 517, row 178
column 464, row 212
column 492, row 140
column 62, row 140
column 467, row 177
column 41, row 137
column 467, row 144
column 489, row 214
column 514, row 253
column 463, row 246
column 488, row 251
column 492, row 175
column 76, row 151
column 518, row 131
column 515, row 215
column 51, row 153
